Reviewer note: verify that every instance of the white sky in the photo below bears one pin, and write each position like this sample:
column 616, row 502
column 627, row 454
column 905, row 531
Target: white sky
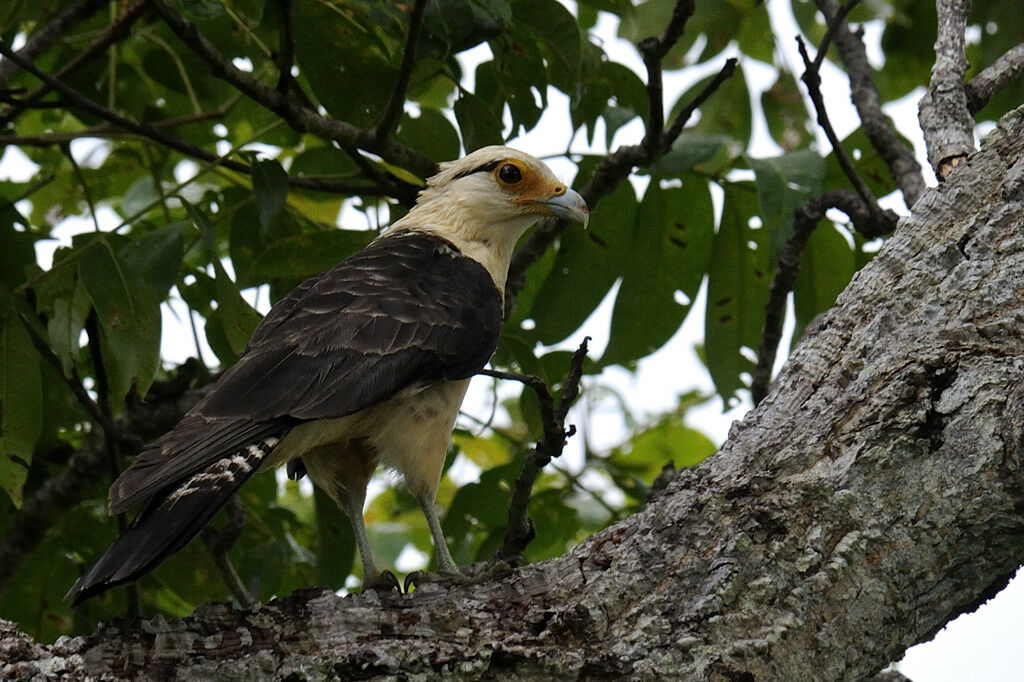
column 984, row 645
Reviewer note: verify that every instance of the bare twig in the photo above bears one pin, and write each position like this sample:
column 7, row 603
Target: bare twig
column 994, row 78
column 653, row 49
column 805, row 220
column 943, row 112
column 905, row 169
column 41, row 40
column 299, row 117
column 116, row 31
column 396, row 104
column 812, row 79
column 220, row 540
column 521, row 530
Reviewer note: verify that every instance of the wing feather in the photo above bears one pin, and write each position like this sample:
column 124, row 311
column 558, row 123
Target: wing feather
column 407, row 309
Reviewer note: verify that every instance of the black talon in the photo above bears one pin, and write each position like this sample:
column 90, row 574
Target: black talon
column 385, row 581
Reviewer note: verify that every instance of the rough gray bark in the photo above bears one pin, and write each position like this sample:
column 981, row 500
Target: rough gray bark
column 875, row 494
column 943, row 113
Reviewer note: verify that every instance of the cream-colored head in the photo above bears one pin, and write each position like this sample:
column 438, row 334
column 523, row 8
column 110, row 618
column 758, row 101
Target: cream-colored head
column 484, row 202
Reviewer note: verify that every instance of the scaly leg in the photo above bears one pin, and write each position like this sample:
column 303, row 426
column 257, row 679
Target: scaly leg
column 445, row 564
column 372, row 578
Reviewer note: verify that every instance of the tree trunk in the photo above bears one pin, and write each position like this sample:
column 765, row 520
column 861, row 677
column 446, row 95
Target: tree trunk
column 874, row 495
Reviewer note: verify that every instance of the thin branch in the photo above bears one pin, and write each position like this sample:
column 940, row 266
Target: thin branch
column 220, row 540
column 812, row 79
column 683, row 117
column 653, row 49
column 396, row 104
column 613, row 169
column 286, row 54
column 521, row 529
column 43, row 39
column 300, row 118
column 77, row 170
column 74, row 382
column 158, row 135
column 805, row 220
column 905, row 170
column 116, row 31
column 943, row 112
column 994, row 78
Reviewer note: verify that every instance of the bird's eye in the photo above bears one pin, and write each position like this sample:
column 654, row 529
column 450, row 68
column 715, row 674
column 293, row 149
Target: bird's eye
column 509, row 174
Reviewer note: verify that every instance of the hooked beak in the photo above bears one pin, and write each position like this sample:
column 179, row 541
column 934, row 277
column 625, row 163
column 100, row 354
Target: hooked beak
column 569, row 206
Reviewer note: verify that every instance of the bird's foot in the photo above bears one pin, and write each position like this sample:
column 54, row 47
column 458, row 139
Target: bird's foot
column 474, row 573
column 383, row 581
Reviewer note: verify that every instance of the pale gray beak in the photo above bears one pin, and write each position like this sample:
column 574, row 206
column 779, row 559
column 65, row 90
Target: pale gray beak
column 569, row 206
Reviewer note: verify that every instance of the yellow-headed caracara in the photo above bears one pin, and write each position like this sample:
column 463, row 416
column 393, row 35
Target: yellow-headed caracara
column 364, row 365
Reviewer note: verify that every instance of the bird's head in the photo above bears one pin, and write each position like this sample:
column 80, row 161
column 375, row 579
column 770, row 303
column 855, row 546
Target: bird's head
column 500, row 187
column 484, row 202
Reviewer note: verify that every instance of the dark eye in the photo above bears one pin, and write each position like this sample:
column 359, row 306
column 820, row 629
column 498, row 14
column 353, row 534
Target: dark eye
column 509, row 174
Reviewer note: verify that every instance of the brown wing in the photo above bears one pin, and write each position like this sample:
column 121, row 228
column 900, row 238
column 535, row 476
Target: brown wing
column 408, row 309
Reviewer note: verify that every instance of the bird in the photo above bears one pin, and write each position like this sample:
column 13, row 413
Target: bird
column 363, row 366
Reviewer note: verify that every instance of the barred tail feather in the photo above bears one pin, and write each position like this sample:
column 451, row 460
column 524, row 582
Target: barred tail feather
column 170, row 520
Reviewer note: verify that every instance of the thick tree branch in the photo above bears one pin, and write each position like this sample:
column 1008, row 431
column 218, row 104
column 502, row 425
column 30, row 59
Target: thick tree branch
column 299, row 117
column 878, row 489
column 521, row 530
column 396, row 105
column 905, row 169
column 116, row 31
column 943, row 112
column 43, row 39
column 994, row 78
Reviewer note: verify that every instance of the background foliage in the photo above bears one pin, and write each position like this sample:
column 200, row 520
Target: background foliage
column 709, row 213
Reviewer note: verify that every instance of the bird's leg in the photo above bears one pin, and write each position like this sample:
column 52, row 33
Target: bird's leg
column 447, row 570
column 445, row 564
column 373, row 579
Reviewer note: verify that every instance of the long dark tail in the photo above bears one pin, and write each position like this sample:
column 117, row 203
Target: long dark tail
column 172, row 518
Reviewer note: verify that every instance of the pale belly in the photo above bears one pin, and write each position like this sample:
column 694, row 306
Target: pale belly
column 409, row 433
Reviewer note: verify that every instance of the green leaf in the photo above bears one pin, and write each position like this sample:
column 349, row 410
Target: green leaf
column 727, row 111
column 270, row 185
column 827, row 265
column 671, row 244
column 156, row 256
column 784, row 183
column 336, row 543
column 689, row 151
column 66, row 324
column 20, row 399
column 786, row 113
column 304, row 255
column 430, row 133
column 129, row 316
column 587, row 264
column 477, row 123
column 558, row 37
column 737, row 290
column 871, row 167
